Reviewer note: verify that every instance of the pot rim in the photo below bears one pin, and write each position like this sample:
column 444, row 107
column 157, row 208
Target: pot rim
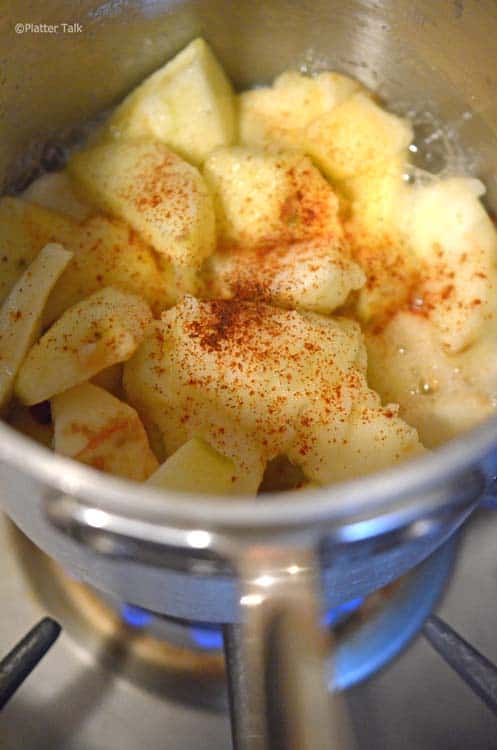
column 402, row 486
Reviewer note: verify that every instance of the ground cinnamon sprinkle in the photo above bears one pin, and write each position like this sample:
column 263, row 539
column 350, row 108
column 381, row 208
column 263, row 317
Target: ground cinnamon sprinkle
column 398, row 281
column 249, row 371
column 280, row 272
column 308, row 212
column 224, row 322
column 155, row 186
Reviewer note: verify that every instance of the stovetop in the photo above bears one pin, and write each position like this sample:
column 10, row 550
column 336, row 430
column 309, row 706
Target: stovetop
column 72, row 702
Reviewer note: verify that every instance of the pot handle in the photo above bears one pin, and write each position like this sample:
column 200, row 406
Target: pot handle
column 276, row 657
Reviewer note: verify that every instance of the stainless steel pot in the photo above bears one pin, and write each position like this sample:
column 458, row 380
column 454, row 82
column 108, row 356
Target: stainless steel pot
column 258, row 562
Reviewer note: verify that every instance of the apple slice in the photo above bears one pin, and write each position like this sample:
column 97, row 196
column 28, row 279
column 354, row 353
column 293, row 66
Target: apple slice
column 455, row 243
column 156, row 192
column 355, row 137
column 107, row 252
column 188, row 104
column 55, row 191
column 265, row 198
column 315, row 275
column 20, row 315
column 24, row 230
column 98, row 429
column 281, row 113
column 96, row 333
column 196, row 467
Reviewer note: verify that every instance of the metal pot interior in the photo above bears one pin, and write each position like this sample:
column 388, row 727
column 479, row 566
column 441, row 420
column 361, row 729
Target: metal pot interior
column 433, row 59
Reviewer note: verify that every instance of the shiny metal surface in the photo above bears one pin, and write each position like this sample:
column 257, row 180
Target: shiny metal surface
column 279, row 692
column 162, row 647
column 73, row 702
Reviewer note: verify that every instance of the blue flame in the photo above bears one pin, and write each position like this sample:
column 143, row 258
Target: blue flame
column 335, row 615
column 207, row 637
column 135, row 616
column 210, row 637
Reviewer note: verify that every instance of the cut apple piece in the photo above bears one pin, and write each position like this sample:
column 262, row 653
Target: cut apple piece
column 188, row 104
column 315, row 275
column 355, row 137
column 374, row 235
column 156, row 192
column 281, row 113
column 436, row 391
column 20, row 315
column 376, row 437
column 55, row 191
column 252, row 380
column 24, row 230
column 455, row 243
column 392, row 273
column 196, row 467
column 96, row 428
column 108, row 253
column 376, row 198
column 263, row 197
column 94, row 334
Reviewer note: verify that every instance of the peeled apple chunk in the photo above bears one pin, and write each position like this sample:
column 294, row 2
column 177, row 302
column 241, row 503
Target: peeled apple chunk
column 103, row 329
column 188, row 104
column 263, row 197
column 196, row 467
column 256, row 382
column 20, row 315
column 375, row 199
column 455, row 243
column 376, row 241
column 407, row 365
column 355, row 137
column 24, row 230
column 315, row 275
column 108, row 253
column 281, row 113
column 374, row 438
column 156, row 192
column 94, row 427
column 55, row 191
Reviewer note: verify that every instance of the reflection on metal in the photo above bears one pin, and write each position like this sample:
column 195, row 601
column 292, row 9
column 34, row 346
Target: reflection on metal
column 365, row 641
column 122, row 632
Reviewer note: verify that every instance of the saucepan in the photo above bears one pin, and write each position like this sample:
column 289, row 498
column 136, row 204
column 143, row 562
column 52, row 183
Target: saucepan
column 274, row 563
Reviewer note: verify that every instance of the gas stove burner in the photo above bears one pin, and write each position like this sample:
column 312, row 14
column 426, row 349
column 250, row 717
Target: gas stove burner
column 368, row 633
column 93, row 687
column 210, row 637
